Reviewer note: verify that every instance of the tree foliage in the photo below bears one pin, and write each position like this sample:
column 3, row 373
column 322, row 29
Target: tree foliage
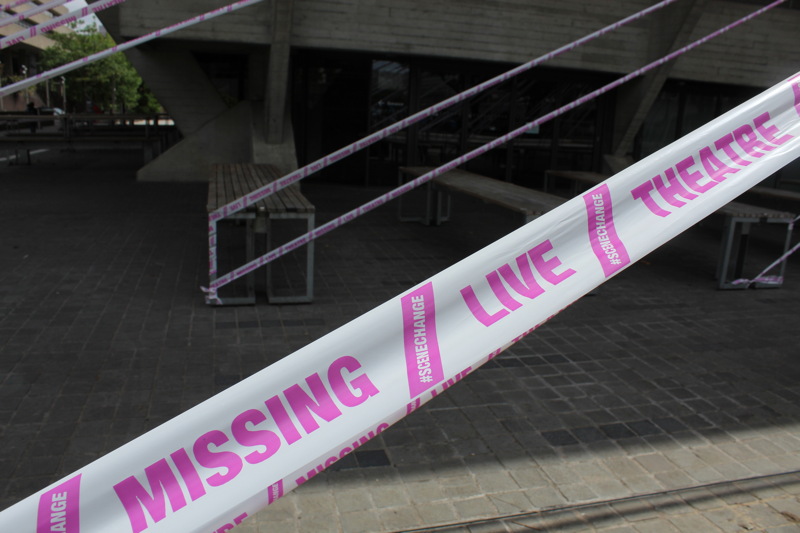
column 112, row 84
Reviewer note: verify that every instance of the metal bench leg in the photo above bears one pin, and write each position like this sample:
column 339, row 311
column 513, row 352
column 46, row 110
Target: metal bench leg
column 425, row 218
column 728, row 232
column 310, row 262
column 17, row 160
column 786, row 245
column 268, row 268
column 736, row 232
column 250, row 254
column 744, row 238
column 309, row 292
column 438, row 205
column 433, row 205
column 249, row 279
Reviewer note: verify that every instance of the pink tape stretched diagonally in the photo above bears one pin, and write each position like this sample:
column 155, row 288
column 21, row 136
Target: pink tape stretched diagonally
column 18, row 17
column 325, row 228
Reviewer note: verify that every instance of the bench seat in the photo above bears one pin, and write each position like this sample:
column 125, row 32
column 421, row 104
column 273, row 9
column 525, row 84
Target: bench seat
column 231, row 181
column 528, row 203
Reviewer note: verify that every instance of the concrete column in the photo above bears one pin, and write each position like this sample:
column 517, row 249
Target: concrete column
column 278, row 71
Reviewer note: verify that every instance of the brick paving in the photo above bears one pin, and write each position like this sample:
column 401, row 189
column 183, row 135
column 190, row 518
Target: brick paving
column 656, row 404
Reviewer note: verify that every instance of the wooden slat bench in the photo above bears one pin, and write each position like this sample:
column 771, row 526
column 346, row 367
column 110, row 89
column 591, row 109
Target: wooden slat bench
column 528, row 203
column 230, row 181
column 738, row 220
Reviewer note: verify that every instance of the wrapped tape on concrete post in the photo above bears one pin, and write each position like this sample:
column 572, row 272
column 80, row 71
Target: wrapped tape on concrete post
column 212, row 466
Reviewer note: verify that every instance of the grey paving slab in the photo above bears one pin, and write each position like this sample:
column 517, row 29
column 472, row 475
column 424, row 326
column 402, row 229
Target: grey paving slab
column 656, row 404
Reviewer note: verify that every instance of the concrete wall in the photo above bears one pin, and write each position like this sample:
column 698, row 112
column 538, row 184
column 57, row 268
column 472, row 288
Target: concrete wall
column 247, row 25
column 758, row 54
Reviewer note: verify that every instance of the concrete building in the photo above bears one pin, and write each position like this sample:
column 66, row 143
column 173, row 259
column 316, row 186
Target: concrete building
column 288, row 81
column 21, row 60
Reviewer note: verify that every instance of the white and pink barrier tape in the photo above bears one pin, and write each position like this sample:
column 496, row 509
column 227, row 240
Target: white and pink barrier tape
column 55, row 22
column 40, row 77
column 216, row 283
column 10, row 19
column 223, row 460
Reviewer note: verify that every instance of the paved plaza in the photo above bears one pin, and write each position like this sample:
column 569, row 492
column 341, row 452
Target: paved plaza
column 656, row 404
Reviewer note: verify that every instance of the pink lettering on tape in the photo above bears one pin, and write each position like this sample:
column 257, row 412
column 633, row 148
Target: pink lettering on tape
column 606, row 244
column 423, row 360
column 59, row 508
column 275, row 492
column 796, row 89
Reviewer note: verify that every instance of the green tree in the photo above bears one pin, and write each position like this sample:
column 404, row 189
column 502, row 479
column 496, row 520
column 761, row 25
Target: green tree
column 110, row 83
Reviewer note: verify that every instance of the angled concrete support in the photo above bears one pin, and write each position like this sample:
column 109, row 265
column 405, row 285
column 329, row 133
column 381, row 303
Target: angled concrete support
column 227, row 138
column 180, row 85
column 673, row 30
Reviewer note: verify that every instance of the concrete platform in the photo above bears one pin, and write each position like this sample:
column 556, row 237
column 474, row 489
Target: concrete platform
column 657, row 404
